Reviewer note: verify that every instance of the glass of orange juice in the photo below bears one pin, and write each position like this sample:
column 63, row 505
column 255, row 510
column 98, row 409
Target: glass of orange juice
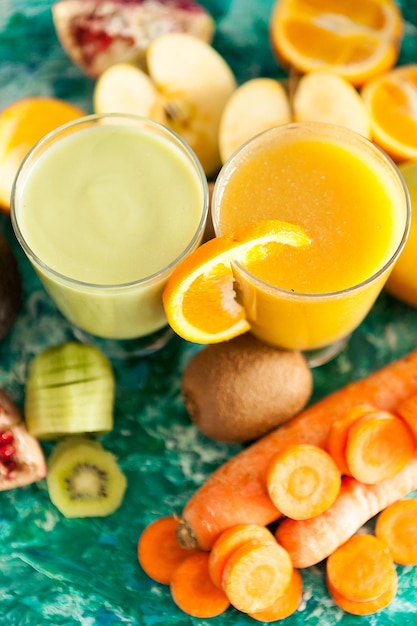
column 350, row 199
column 105, row 207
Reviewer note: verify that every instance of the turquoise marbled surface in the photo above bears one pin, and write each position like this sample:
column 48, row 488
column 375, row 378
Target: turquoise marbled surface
column 55, row 571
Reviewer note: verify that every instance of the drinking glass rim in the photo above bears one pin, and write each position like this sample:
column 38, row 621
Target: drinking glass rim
column 298, row 295
column 85, row 120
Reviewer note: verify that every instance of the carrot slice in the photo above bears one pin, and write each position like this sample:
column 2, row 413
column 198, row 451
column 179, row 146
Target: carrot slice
column 159, row 552
column 256, row 574
column 397, row 526
column 407, row 410
column 194, row 592
column 365, row 607
column 337, row 438
column 361, row 569
column 285, row 605
column 303, row 481
column 379, row 445
column 229, row 541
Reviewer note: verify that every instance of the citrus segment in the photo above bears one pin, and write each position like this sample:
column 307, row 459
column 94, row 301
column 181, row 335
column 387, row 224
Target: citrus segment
column 357, row 40
column 391, row 100
column 22, row 124
column 199, row 299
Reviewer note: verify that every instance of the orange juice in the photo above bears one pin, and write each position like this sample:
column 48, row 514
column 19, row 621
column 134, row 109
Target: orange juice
column 351, row 201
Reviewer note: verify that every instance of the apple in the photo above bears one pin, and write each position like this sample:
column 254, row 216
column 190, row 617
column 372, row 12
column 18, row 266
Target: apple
column 186, row 87
column 323, row 96
column 255, row 106
column 97, row 33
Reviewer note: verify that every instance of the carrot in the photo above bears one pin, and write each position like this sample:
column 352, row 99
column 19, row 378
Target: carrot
column 310, row 541
column 159, row 552
column 236, row 492
column 303, row 481
column 194, row 592
column 397, row 526
column 256, row 574
column 336, row 441
column 379, row 445
column 360, row 569
column 229, row 541
column 285, row 605
column 407, row 410
column 366, row 607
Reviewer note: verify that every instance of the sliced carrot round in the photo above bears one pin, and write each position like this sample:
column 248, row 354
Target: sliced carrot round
column 361, row 569
column 379, row 445
column 199, row 299
column 284, row 605
column 159, row 552
column 231, row 539
column 194, row 592
column 303, row 481
column 357, row 40
column 397, row 526
column 366, row 607
column 391, row 103
column 337, row 438
column 256, row 574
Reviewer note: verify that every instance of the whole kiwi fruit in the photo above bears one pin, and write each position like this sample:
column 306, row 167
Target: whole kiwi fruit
column 241, row 389
column 10, row 287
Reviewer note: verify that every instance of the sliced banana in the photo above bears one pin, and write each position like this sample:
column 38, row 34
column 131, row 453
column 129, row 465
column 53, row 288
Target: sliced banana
column 69, row 390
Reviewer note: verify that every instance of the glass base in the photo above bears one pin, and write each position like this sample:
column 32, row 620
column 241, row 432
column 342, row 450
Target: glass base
column 320, row 356
column 126, row 348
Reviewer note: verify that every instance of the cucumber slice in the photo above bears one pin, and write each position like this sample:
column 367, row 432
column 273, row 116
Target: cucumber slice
column 69, row 390
column 84, row 479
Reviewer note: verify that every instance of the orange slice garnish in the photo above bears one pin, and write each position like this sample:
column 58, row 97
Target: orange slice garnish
column 199, row 298
column 391, row 100
column 357, row 40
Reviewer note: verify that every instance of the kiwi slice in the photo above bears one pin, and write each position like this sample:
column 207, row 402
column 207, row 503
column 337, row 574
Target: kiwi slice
column 84, row 479
column 69, row 390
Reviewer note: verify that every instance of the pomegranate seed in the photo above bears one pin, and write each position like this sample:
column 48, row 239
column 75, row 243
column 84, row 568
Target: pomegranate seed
column 6, row 452
column 6, row 437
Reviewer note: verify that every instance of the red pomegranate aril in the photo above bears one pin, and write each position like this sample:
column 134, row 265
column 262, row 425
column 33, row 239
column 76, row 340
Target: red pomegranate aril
column 6, row 452
column 6, row 437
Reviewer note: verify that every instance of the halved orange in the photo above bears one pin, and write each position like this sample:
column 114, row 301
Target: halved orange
column 22, row 124
column 199, row 298
column 391, row 101
column 357, row 40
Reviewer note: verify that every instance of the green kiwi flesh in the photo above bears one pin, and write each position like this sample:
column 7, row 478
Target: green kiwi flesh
column 84, row 479
column 69, row 390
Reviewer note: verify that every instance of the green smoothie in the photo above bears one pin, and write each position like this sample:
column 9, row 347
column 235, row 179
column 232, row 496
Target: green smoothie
column 106, row 208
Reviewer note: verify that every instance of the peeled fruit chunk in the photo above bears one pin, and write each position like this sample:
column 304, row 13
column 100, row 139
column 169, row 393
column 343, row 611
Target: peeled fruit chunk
column 186, row 87
column 22, row 124
column 84, row 479
column 240, row 389
column 10, row 287
column 69, row 390
column 255, row 106
column 402, row 282
column 326, row 97
column 22, row 461
column 95, row 34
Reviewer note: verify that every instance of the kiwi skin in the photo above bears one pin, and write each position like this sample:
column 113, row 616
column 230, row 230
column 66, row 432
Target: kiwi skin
column 10, row 287
column 239, row 390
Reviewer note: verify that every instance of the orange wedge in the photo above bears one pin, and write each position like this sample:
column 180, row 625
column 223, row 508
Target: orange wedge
column 356, row 39
column 199, row 298
column 391, row 101
column 22, row 124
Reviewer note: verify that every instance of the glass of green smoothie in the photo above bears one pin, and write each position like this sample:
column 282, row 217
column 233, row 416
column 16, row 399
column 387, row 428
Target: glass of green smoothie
column 105, row 207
